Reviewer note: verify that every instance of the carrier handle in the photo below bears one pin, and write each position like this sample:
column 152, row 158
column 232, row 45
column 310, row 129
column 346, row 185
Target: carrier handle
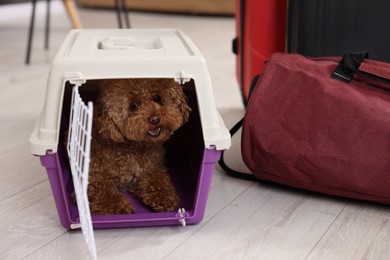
column 127, row 43
column 357, row 66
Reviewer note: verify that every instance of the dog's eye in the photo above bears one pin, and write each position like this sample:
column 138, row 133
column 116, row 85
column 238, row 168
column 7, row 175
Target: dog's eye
column 134, row 106
column 157, row 99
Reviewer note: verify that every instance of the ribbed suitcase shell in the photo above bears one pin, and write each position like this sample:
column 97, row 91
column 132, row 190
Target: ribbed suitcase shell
column 332, row 28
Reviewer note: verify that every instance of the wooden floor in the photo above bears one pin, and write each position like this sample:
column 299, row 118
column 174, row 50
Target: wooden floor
column 243, row 220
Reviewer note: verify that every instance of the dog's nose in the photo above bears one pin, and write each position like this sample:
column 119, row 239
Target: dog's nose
column 154, row 120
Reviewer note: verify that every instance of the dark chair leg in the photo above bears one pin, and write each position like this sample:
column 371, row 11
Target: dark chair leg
column 126, row 13
column 120, row 6
column 118, row 12
column 47, row 26
column 30, row 32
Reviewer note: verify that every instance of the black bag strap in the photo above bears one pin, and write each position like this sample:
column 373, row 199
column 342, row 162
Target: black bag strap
column 227, row 169
column 233, row 131
column 356, row 66
column 348, row 66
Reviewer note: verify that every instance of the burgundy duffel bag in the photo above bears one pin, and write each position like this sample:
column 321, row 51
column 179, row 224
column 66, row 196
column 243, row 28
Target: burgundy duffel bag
column 321, row 124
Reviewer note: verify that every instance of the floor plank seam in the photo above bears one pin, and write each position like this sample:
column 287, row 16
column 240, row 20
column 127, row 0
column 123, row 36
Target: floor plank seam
column 326, row 231
column 24, row 190
column 203, row 224
column 46, row 244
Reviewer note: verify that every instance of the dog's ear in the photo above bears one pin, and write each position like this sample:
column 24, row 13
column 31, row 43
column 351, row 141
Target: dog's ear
column 105, row 125
column 181, row 99
column 184, row 108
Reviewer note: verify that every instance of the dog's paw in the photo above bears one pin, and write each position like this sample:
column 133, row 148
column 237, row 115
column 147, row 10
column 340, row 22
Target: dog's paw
column 161, row 202
column 156, row 191
column 113, row 210
column 126, row 208
column 111, row 206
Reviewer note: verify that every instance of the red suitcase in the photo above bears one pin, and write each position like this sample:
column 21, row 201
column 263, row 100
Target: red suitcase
column 261, row 31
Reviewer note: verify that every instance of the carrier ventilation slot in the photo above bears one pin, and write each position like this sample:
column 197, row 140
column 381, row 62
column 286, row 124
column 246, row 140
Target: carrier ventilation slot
column 79, row 142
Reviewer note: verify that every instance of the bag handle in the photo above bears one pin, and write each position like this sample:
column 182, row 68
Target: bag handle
column 357, row 66
column 374, row 73
column 226, row 168
column 233, row 173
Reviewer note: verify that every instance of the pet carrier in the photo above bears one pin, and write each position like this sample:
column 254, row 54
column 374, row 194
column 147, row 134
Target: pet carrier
column 85, row 58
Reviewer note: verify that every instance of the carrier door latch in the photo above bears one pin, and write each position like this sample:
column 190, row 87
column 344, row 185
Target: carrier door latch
column 75, row 78
column 182, row 215
column 182, row 77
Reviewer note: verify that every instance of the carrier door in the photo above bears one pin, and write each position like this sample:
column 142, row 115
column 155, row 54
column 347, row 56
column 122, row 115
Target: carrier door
column 79, row 143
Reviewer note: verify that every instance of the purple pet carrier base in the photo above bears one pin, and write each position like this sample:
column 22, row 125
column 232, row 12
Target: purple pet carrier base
column 59, row 178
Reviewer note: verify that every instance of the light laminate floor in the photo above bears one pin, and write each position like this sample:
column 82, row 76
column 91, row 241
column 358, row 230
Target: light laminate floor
column 243, row 220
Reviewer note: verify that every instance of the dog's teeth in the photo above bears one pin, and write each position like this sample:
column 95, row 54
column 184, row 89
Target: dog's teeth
column 155, row 132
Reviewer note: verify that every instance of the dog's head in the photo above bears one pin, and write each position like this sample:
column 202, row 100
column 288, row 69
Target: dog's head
column 140, row 110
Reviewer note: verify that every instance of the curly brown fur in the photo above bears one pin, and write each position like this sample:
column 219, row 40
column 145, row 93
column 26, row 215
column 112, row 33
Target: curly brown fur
column 132, row 120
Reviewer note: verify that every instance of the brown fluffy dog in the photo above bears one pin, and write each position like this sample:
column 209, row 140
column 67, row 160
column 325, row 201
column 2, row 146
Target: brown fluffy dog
column 132, row 120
